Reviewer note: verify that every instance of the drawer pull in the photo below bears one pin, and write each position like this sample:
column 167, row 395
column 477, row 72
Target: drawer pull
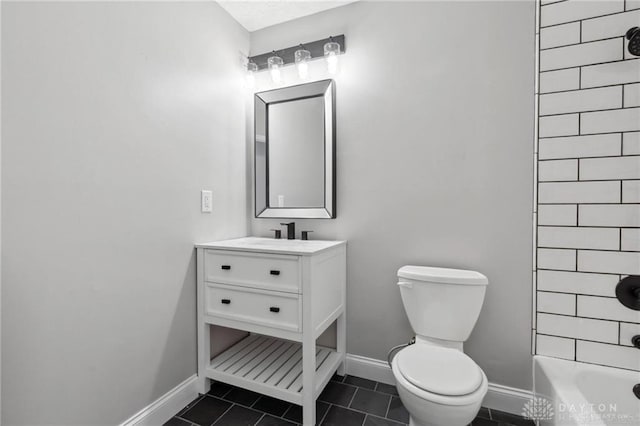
column 226, row 267
column 274, row 272
column 226, row 301
column 274, row 309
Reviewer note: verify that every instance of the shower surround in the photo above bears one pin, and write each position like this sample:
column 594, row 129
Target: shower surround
column 588, row 182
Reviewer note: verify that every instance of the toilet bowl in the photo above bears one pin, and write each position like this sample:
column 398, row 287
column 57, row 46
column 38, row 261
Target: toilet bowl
column 437, row 391
column 437, row 382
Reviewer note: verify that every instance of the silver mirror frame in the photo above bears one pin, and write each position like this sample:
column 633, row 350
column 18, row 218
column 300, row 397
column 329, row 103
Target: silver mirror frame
column 262, row 100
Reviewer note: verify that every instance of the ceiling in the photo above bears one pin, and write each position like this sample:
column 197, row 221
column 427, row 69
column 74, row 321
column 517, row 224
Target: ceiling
column 257, row 14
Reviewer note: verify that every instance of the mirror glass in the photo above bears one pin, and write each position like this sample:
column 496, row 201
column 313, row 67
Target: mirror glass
column 294, row 152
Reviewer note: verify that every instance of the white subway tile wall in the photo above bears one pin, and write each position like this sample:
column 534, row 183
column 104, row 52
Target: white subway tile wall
column 560, row 35
column 614, row 168
column 584, row 146
column 556, row 303
column 612, row 355
column 578, row 192
column 632, row 4
column 557, row 347
column 630, row 239
column 631, row 143
column 611, row 262
column 588, row 181
column 578, row 282
column 632, row 93
column 610, row 74
column 559, row 125
column 555, row 170
column 631, row 191
column 557, row 259
column 578, row 238
column 620, row 215
column 581, row 100
column 627, row 331
column 558, row 214
column 555, row 81
column 578, row 328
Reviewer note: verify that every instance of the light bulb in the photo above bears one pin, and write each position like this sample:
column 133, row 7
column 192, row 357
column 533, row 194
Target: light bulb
column 303, row 70
column 331, row 52
column 275, row 62
column 302, row 56
column 332, row 63
column 275, row 75
column 250, row 78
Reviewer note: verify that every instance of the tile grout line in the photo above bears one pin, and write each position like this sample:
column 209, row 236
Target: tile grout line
column 386, row 413
column 261, row 417
column 353, row 397
column 222, row 415
column 183, row 419
column 326, row 413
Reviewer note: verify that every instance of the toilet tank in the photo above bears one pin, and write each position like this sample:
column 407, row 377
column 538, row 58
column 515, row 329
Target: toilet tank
column 442, row 303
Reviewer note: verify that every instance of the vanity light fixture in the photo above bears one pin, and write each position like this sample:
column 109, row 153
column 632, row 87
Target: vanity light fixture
column 331, row 52
column 252, row 68
column 302, row 57
column 275, row 62
column 328, row 48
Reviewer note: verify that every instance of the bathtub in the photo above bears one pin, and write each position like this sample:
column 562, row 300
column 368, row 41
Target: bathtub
column 583, row 394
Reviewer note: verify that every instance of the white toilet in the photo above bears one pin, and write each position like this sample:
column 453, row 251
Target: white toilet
column 438, row 384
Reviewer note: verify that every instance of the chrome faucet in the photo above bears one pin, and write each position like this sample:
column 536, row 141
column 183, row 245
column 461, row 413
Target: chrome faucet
column 291, row 230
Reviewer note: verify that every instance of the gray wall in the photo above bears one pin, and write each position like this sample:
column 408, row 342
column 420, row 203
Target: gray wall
column 114, row 116
column 435, row 129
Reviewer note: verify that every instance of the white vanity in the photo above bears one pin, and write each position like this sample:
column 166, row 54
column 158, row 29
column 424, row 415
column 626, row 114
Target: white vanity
column 285, row 293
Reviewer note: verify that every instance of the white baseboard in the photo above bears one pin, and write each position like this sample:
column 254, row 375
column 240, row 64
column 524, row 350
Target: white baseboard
column 167, row 406
column 507, row 399
column 499, row 397
column 369, row 368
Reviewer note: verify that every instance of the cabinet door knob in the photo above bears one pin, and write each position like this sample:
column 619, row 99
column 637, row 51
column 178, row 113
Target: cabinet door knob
column 274, row 272
column 274, row 309
column 226, row 301
column 226, row 267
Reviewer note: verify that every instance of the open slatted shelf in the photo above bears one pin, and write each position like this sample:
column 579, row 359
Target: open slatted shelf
column 271, row 366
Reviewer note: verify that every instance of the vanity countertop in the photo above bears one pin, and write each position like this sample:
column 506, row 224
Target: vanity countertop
column 272, row 245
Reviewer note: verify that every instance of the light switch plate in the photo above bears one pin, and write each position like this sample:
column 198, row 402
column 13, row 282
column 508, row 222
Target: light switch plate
column 206, row 201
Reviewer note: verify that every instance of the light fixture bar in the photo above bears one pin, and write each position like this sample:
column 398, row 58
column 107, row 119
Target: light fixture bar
column 315, row 47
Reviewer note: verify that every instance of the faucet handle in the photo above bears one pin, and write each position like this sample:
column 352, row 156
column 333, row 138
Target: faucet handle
column 278, row 233
column 305, row 235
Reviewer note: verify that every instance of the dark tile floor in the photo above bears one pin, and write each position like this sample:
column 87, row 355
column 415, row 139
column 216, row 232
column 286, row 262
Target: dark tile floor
column 346, row 401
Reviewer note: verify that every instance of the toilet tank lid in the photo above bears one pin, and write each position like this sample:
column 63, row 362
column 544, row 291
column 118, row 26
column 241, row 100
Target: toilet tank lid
column 442, row 275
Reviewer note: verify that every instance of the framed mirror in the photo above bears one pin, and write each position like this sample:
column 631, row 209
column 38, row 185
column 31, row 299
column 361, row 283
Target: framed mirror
column 295, row 152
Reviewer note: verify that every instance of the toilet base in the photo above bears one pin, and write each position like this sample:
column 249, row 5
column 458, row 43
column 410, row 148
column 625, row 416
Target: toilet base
column 428, row 409
column 413, row 422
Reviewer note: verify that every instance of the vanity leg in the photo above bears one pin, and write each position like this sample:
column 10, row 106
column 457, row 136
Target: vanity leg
column 204, row 383
column 308, row 380
column 341, row 342
column 204, row 332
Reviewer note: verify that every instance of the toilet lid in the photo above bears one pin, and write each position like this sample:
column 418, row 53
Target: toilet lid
column 439, row 370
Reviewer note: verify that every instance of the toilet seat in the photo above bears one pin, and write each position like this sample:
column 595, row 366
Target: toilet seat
column 438, row 370
column 441, row 400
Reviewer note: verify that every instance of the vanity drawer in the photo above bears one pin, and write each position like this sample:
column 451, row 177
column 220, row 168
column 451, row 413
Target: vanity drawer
column 271, row 272
column 268, row 308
